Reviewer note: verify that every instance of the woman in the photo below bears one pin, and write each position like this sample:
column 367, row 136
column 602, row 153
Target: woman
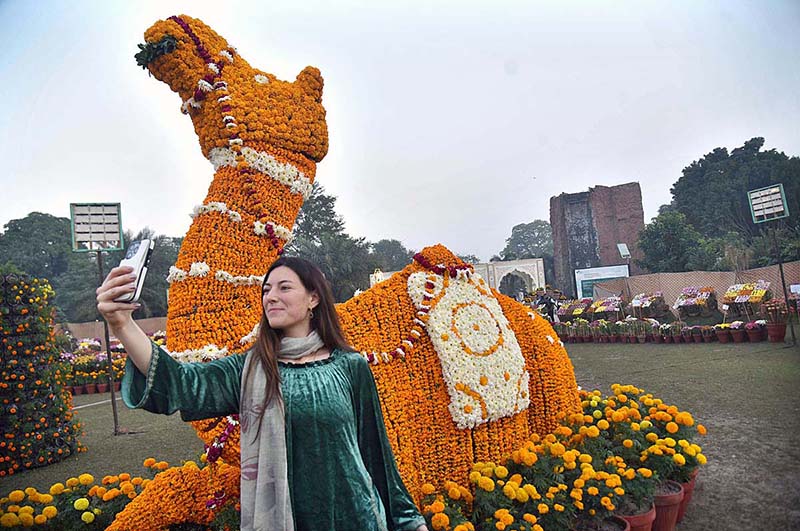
column 314, row 449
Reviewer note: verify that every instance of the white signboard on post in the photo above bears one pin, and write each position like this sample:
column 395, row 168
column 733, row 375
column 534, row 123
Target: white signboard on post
column 96, row 227
column 585, row 279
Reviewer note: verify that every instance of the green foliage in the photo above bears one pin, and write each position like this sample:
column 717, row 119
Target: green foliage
column 667, row 243
column 150, row 51
column 711, row 194
column 318, row 216
column 529, row 240
column 41, row 244
column 391, row 255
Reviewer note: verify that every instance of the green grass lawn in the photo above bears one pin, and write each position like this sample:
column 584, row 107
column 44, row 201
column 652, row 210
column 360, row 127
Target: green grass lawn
column 746, row 394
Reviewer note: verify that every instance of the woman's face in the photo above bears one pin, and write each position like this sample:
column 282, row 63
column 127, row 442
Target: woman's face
column 286, row 302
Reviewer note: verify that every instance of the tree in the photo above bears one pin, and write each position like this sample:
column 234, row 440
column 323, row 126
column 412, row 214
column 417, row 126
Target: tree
column 38, row 244
column 667, row 243
column 469, row 258
column 391, row 255
column 529, row 240
column 345, row 261
column 712, row 192
column 320, row 238
column 318, row 216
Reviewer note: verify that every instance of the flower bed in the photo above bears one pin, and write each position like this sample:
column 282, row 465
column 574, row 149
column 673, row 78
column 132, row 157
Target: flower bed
column 694, row 301
column 37, row 421
column 571, row 309
column 606, row 460
column 610, row 309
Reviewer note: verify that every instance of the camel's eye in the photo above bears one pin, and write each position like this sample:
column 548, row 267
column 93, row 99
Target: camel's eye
column 148, row 52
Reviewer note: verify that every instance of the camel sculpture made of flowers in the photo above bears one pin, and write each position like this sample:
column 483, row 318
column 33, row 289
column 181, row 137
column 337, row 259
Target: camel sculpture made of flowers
column 463, row 372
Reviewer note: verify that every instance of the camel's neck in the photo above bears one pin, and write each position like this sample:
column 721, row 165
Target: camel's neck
column 238, row 231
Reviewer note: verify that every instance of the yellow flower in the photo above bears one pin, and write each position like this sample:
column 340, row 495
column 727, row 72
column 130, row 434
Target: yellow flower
column 27, row 509
column 86, row 479
column 427, row 489
column 9, row 520
column 679, row 459
column 543, row 508
column 593, row 431
column 603, row 424
column 672, row 427
column 26, row 519
column 501, row 472
column 50, row 511
column 87, row 517
column 40, row 519
column 701, row 429
column 80, row 504
column 454, row 493
column 16, row 496
column 627, row 443
column 701, row 459
column 73, row 482
column 440, row 521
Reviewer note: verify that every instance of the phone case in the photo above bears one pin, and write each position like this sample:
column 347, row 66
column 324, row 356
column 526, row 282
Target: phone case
column 137, row 257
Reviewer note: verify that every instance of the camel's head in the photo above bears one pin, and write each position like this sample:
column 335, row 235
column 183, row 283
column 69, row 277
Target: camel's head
column 228, row 100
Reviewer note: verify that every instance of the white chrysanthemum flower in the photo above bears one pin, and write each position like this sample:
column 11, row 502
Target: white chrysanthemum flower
column 261, row 79
column 199, row 269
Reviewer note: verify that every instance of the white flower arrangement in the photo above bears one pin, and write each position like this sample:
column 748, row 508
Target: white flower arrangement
column 251, row 280
column 261, row 79
column 481, row 359
column 176, row 275
column 278, row 230
column 265, row 163
column 199, row 269
column 206, row 353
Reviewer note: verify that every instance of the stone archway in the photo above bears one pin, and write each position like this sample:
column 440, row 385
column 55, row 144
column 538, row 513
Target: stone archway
column 515, row 282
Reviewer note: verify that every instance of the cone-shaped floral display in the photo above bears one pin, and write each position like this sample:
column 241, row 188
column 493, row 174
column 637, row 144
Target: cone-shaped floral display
column 36, row 424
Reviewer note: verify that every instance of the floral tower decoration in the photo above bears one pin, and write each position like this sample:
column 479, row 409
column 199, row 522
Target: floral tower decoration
column 264, row 137
column 464, row 373
column 37, row 421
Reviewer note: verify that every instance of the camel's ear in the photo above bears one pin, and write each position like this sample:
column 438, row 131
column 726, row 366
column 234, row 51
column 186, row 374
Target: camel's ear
column 310, row 81
column 418, row 286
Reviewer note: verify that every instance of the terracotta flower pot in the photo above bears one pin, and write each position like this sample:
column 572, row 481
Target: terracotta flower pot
column 615, row 523
column 688, row 489
column 708, row 338
column 667, row 506
column 738, row 336
column 117, row 386
column 78, row 390
column 776, row 332
column 724, row 336
column 642, row 521
column 697, row 338
column 667, row 339
column 102, row 388
column 658, row 338
column 91, row 388
column 754, row 336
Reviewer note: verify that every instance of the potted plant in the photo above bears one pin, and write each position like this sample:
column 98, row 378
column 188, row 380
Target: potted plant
column 707, row 332
column 738, row 333
column 723, row 332
column 753, row 330
column 675, row 328
column 664, row 330
column 776, row 316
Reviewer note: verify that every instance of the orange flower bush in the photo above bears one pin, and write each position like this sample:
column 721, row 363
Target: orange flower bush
column 36, row 409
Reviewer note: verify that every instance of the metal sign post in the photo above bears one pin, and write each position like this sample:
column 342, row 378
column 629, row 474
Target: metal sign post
column 769, row 204
column 97, row 227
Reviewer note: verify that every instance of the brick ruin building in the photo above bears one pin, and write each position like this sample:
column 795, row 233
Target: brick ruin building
column 587, row 227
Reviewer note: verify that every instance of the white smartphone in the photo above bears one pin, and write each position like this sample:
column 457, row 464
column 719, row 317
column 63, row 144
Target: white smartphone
column 137, row 257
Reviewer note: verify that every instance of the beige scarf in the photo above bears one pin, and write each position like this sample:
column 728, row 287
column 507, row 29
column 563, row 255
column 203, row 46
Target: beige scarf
column 265, row 500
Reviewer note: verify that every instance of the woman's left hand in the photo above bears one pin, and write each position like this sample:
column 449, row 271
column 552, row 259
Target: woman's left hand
column 423, row 527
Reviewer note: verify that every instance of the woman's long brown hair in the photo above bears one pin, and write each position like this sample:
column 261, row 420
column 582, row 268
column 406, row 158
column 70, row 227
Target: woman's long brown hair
column 325, row 321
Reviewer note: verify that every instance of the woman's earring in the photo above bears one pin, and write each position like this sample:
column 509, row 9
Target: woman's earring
column 310, row 313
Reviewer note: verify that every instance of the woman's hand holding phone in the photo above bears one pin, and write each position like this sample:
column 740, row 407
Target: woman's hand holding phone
column 120, row 281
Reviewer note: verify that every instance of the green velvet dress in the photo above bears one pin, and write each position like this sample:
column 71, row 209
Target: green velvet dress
column 342, row 472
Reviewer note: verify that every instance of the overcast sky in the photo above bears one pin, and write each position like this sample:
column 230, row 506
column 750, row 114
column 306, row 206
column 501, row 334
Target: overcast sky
column 449, row 123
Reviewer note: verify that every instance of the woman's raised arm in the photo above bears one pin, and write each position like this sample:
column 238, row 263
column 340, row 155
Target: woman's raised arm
column 118, row 315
